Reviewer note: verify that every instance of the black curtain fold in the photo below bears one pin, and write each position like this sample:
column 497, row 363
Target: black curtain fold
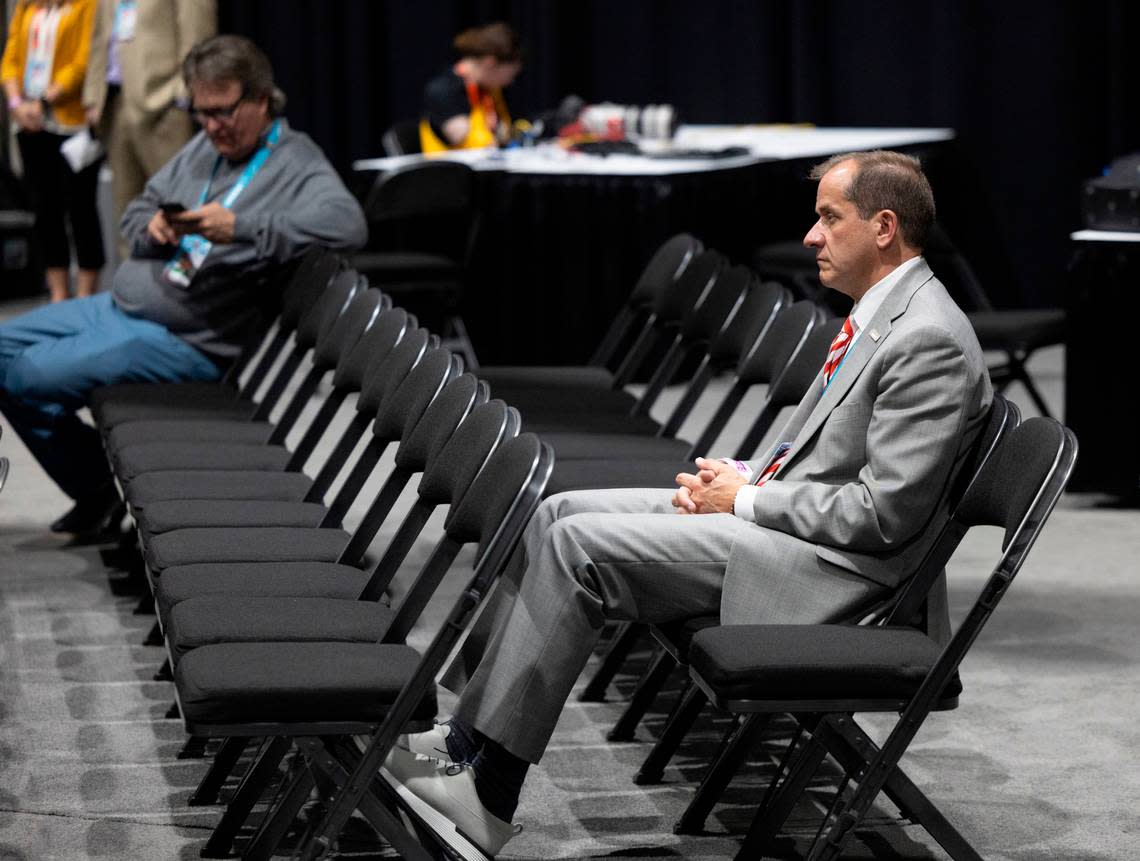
column 1041, row 94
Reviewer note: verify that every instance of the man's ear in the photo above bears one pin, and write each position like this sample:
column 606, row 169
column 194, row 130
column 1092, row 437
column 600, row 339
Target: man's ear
column 887, row 227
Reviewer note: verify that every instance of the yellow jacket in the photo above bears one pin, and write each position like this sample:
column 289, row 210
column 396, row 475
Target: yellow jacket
column 69, row 66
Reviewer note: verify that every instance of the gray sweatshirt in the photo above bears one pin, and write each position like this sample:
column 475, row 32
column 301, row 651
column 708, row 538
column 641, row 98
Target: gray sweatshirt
column 295, row 199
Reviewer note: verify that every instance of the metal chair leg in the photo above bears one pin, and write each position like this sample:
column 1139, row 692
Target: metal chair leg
column 643, row 696
column 277, row 821
column 690, row 705
column 737, row 741
column 621, row 644
column 226, row 757
column 252, row 785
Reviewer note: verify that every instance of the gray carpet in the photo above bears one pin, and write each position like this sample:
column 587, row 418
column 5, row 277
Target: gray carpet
column 1038, row 762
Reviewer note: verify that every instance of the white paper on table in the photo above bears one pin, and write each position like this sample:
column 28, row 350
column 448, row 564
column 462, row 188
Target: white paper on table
column 81, row 150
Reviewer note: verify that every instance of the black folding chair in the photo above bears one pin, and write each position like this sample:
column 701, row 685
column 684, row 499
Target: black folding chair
column 423, row 222
column 402, row 138
column 625, row 333
column 318, row 695
column 307, row 305
column 824, row 674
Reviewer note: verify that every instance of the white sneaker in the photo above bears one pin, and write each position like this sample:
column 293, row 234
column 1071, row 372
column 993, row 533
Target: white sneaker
column 443, row 795
column 432, row 743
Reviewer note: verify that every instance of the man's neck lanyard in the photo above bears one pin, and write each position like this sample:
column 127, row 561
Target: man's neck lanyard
column 194, row 248
column 251, row 169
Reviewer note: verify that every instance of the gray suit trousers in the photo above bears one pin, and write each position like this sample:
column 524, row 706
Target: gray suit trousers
column 592, row 556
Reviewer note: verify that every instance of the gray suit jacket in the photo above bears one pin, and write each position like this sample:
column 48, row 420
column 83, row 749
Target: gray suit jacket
column 873, row 455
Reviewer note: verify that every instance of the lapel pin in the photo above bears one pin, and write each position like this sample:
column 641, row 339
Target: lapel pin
column 874, row 333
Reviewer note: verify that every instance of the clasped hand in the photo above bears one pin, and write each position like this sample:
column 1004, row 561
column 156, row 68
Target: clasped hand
column 711, row 490
column 213, row 221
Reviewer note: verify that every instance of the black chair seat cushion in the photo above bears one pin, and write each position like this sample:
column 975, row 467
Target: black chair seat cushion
column 398, row 265
column 586, row 421
column 272, row 544
column 282, row 579
column 209, row 484
column 1022, row 329
column 134, row 460
column 556, row 376
column 597, row 474
column 169, row 514
column 569, row 445
column 193, row 430
column 125, row 392
column 238, row 683
column 677, row 637
column 816, row 662
column 114, row 413
column 210, row 619
column 541, row 400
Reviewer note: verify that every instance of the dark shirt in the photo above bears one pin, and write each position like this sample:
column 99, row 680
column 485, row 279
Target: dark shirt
column 445, row 96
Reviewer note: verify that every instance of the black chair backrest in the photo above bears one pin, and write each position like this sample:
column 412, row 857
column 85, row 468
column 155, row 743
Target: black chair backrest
column 906, row 604
column 422, row 439
column 803, row 367
column 690, row 288
column 402, row 138
column 335, row 343
column 663, row 268
column 384, row 333
column 325, row 311
column 750, row 323
column 3, row 471
column 720, row 304
column 313, row 275
column 423, row 190
column 387, row 373
column 445, row 480
column 408, row 400
column 763, row 363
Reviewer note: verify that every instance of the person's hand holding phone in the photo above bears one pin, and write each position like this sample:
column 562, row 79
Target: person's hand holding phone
column 212, row 221
column 160, row 229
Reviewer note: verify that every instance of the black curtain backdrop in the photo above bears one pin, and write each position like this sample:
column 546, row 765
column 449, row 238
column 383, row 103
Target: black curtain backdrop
column 1041, row 94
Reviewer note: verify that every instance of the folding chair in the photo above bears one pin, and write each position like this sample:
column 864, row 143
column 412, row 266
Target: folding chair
column 824, row 674
column 317, row 695
column 309, row 287
column 318, row 544
column 625, row 333
column 423, row 222
column 284, row 486
column 130, row 459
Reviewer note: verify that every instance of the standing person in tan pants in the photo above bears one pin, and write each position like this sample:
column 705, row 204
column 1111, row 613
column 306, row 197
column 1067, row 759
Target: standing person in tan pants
column 134, row 92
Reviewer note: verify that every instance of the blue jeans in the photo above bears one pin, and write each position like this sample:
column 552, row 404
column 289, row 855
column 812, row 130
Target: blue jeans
column 53, row 357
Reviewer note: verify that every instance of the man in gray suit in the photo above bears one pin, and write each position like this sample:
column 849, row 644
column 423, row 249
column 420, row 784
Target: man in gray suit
column 833, row 517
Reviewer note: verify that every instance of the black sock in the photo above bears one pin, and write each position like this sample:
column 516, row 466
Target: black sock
column 499, row 776
column 464, row 741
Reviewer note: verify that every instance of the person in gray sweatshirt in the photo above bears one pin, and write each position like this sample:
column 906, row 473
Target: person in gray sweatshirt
column 245, row 196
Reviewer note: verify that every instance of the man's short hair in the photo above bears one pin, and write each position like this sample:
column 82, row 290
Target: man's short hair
column 889, row 180
column 234, row 58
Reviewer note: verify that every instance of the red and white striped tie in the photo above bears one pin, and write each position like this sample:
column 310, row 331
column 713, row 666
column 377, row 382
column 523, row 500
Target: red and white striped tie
column 774, row 464
column 838, row 350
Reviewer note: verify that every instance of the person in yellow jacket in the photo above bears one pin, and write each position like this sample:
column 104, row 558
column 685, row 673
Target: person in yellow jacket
column 42, row 72
column 464, row 106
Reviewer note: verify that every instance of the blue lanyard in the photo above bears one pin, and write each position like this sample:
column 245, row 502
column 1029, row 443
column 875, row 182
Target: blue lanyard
column 251, row 169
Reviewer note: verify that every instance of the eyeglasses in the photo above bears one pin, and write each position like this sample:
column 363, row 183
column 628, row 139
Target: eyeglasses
column 223, row 114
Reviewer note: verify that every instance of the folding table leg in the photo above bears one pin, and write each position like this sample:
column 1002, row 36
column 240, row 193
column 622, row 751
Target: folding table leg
column 248, row 792
column 691, row 704
column 737, row 742
column 620, row 646
column 643, row 696
column 226, row 757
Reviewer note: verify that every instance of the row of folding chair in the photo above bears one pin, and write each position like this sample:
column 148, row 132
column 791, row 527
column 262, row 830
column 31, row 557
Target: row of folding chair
column 276, row 628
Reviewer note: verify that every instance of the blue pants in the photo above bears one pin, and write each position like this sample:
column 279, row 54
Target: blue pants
column 53, row 357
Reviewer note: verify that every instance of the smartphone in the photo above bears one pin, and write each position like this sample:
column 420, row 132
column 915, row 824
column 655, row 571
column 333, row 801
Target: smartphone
column 169, row 209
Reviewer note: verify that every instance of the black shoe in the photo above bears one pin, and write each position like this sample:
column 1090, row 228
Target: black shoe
column 96, row 513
